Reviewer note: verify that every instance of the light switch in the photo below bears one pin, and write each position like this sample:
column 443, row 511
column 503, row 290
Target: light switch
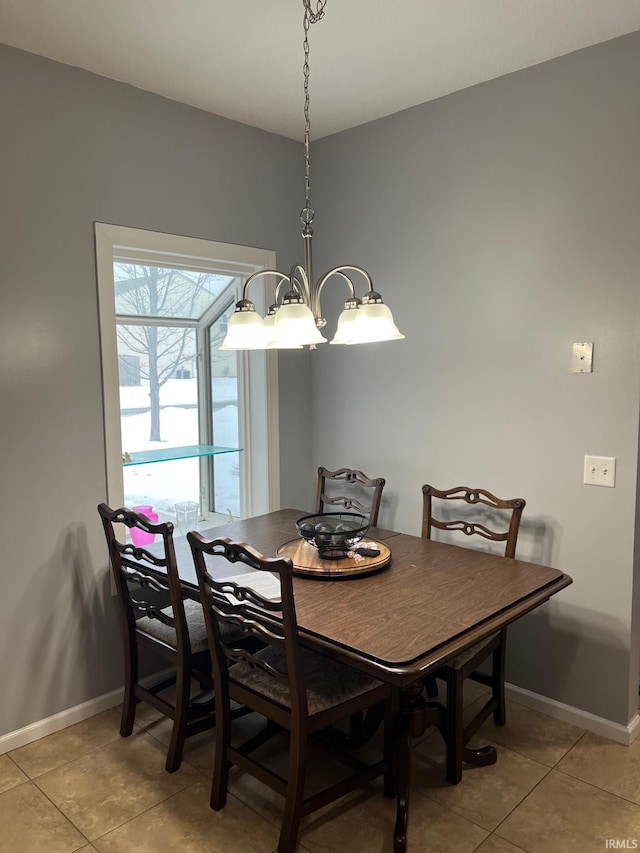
column 600, row 471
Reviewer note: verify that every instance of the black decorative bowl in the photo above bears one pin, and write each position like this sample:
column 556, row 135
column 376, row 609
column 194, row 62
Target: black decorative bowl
column 334, row 534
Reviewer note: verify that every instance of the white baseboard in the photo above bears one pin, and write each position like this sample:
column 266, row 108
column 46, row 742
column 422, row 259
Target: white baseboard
column 568, row 714
column 59, row 721
column 550, row 707
column 77, row 714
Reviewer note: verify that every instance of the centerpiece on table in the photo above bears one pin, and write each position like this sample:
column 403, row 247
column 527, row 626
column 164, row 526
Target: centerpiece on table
column 336, row 535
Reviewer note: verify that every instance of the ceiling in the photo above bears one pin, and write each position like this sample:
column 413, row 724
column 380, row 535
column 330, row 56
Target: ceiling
column 369, row 58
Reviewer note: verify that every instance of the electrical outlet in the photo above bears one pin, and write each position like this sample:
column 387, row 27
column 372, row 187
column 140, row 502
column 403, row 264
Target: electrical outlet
column 600, row 471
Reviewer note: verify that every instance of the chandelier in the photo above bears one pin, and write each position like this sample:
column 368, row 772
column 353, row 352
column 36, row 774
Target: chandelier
column 295, row 318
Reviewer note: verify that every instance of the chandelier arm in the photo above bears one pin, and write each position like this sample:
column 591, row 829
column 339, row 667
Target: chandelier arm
column 299, row 280
column 281, row 276
column 340, row 271
column 285, row 282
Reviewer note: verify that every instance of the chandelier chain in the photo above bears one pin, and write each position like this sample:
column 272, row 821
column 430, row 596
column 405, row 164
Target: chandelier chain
column 310, row 17
column 295, row 318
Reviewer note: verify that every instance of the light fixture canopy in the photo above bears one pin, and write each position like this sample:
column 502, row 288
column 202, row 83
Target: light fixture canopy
column 295, row 318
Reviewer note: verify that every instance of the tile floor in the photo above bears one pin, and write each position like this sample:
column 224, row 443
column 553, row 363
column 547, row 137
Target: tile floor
column 555, row 789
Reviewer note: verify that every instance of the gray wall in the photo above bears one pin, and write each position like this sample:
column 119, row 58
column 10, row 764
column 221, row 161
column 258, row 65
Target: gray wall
column 502, row 224
column 76, row 148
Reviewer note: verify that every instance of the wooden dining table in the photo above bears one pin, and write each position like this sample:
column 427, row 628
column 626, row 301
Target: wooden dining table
column 431, row 602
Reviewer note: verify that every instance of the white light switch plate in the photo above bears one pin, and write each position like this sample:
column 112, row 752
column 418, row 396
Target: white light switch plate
column 600, row 471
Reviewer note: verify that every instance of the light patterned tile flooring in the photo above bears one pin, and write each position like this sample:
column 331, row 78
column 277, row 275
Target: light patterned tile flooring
column 554, row 789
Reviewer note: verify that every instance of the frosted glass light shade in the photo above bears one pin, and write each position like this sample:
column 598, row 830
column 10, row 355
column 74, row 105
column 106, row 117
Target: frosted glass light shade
column 373, row 323
column 344, row 330
column 245, row 330
column 295, row 326
column 270, row 335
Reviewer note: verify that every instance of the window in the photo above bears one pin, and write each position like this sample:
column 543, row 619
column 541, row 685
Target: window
column 169, row 393
column 128, row 369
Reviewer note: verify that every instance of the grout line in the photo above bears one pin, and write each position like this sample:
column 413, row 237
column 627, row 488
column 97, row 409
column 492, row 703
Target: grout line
column 59, row 810
column 528, row 794
column 147, row 810
column 598, row 788
column 514, row 748
column 273, row 821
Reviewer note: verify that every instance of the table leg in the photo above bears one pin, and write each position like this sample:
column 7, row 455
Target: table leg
column 415, row 715
column 456, row 736
column 361, row 730
column 480, row 757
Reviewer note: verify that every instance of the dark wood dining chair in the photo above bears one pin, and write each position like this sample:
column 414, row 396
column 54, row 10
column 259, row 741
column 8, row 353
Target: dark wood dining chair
column 363, row 493
column 477, row 513
column 295, row 689
column 156, row 617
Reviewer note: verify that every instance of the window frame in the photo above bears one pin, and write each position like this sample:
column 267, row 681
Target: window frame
column 257, row 371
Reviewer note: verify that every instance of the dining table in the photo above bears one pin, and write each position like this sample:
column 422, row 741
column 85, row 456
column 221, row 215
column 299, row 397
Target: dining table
column 427, row 604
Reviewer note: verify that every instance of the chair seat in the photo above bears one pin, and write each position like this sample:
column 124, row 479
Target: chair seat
column 328, row 683
column 195, row 623
column 290, row 687
column 464, row 657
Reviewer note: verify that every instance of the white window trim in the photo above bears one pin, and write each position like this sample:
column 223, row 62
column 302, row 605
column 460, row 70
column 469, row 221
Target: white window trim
column 259, row 433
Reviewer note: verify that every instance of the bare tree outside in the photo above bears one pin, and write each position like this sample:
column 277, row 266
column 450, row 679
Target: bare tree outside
column 147, row 291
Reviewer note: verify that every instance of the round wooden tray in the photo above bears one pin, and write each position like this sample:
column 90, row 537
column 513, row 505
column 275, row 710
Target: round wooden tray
column 307, row 563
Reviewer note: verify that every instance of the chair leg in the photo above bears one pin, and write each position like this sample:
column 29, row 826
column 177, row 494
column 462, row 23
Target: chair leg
column 431, row 686
column 221, row 762
column 179, row 730
column 295, row 793
column 497, row 676
column 129, row 701
column 454, row 727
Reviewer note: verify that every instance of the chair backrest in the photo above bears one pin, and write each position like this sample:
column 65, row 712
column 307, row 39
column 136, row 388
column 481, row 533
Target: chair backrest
column 272, row 623
column 146, row 582
column 509, row 511
column 364, row 493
